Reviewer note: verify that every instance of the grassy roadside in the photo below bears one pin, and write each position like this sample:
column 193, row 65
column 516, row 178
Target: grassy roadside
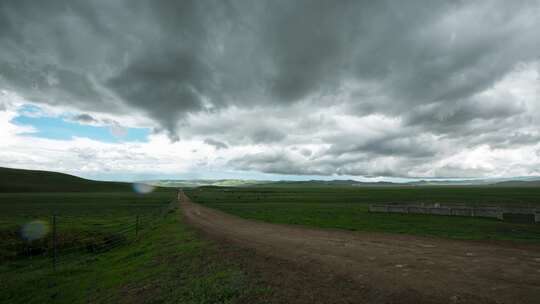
column 347, row 208
column 21, row 205
column 170, row 264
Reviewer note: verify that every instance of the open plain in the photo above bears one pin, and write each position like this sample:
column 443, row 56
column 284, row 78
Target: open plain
column 390, row 268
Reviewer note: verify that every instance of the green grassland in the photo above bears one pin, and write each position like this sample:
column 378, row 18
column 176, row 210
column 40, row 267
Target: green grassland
column 347, row 208
column 168, row 264
column 18, row 180
column 91, row 211
column 101, row 259
column 113, row 245
column 82, row 219
column 78, row 203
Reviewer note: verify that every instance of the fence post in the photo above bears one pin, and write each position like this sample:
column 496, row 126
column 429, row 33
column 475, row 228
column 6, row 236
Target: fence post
column 137, row 227
column 55, row 242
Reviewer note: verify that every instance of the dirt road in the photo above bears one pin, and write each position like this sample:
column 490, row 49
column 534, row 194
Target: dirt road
column 390, row 268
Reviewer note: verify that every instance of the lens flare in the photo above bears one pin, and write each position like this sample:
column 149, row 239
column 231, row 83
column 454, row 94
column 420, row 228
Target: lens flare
column 34, row 230
column 143, row 188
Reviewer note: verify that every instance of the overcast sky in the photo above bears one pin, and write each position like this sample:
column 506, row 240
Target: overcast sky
column 271, row 89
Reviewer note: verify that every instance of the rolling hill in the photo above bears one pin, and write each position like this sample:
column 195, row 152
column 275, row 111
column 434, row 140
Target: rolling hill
column 533, row 181
column 190, row 183
column 19, row 180
column 518, row 183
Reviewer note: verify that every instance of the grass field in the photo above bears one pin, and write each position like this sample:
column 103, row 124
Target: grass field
column 169, row 264
column 100, row 260
column 82, row 219
column 84, row 215
column 19, row 180
column 347, row 208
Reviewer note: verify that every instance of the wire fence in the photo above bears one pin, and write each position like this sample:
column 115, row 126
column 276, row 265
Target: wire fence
column 53, row 242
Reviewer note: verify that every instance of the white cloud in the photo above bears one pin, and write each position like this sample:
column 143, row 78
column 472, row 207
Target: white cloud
column 393, row 89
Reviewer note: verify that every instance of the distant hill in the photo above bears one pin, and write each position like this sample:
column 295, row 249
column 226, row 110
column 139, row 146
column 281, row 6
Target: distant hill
column 518, row 183
column 265, row 183
column 527, row 181
column 330, row 183
column 19, row 180
column 203, row 182
column 489, row 182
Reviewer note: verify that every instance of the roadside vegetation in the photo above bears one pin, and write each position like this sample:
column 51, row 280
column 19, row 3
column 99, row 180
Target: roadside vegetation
column 347, row 208
column 113, row 246
column 169, row 264
column 126, row 246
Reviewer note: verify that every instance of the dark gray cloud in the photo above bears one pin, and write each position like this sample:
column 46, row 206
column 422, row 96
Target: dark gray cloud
column 266, row 135
column 283, row 162
column 84, row 118
column 216, row 143
column 426, row 64
column 166, row 85
column 279, row 162
column 306, row 152
column 404, row 145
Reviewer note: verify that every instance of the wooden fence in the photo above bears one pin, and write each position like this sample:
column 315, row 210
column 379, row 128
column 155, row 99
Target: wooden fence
column 457, row 210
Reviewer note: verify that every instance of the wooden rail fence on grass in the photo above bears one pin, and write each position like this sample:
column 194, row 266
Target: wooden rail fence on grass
column 501, row 213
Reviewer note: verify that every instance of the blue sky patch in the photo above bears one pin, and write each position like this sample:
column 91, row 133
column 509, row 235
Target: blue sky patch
column 29, row 109
column 61, row 129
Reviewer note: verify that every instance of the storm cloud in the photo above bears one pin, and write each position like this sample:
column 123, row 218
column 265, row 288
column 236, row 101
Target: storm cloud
column 392, row 88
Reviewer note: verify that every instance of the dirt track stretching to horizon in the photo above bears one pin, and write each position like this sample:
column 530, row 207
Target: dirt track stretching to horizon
column 389, row 268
